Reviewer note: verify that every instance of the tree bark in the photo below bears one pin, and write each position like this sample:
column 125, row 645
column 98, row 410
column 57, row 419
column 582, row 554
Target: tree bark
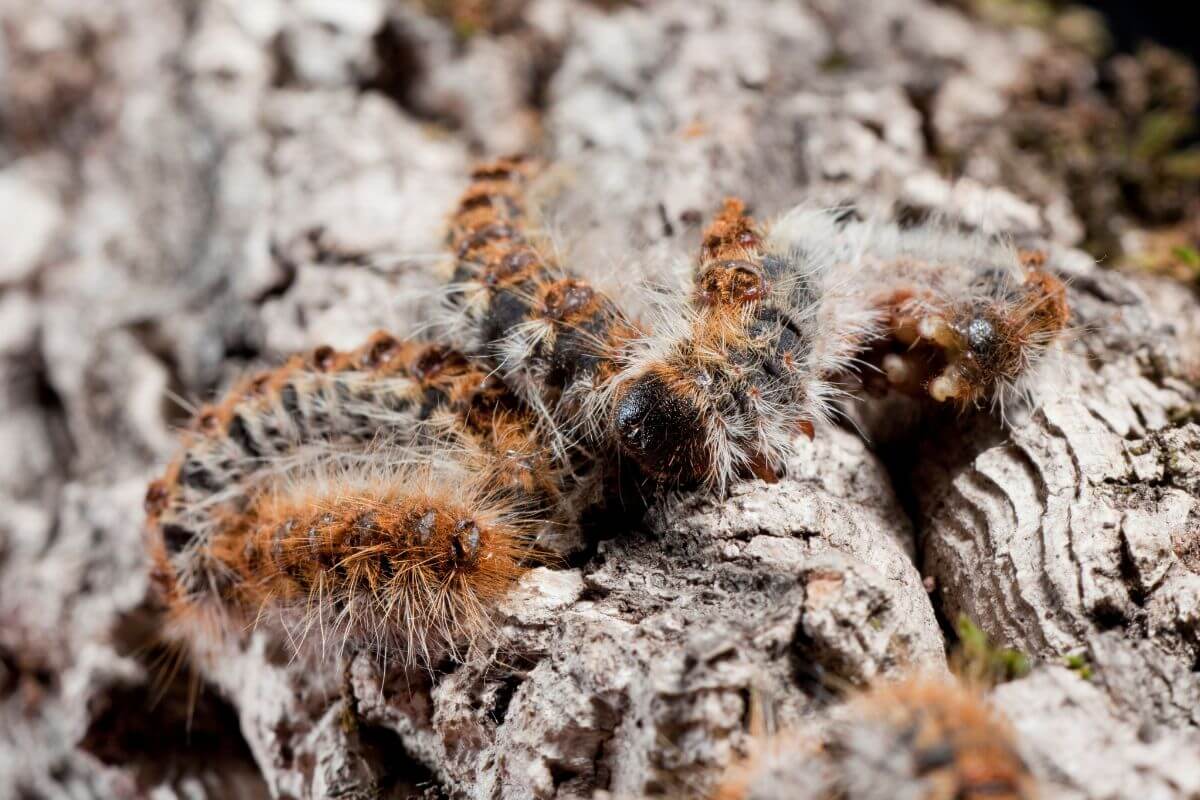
column 199, row 188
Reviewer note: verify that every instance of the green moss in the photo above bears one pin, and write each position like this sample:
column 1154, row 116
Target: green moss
column 1138, row 448
column 1158, row 132
column 1182, row 415
column 836, row 61
column 1079, row 665
column 981, row 660
column 1187, row 254
column 1032, row 13
column 1084, row 29
column 1074, row 26
column 467, row 18
column 465, row 28
column 1183, row 165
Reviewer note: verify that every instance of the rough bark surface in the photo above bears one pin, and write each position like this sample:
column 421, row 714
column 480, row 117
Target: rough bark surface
column 190, row 189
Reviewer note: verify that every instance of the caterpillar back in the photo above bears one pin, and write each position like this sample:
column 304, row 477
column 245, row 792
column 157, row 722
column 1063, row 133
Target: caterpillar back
column 936, row 738
column 407, row 562
column 552, row 336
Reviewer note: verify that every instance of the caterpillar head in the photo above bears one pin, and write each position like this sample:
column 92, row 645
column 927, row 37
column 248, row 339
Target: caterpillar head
column 723, row 386
column 661, row 426
column 981, row 346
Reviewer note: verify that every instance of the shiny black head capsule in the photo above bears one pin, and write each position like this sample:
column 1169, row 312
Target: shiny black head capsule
column 662, row 430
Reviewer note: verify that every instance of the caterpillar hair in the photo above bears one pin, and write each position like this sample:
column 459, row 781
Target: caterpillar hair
column 407, row 562
column 732, row 373
column 551, row 335
column 931, row 733
column 922, row 738
column 966, row 318
column 778, row 766
column 380, row 408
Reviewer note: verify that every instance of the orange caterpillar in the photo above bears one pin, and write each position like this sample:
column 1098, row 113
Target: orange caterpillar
column 553, row 337
column 732, row 373
column 407, row 561
column 965, row 318
column 253, row 512
column 922, row 738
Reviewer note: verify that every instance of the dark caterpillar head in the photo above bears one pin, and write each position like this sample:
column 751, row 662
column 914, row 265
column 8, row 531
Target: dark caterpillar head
column 662, row 429
column 989, row 351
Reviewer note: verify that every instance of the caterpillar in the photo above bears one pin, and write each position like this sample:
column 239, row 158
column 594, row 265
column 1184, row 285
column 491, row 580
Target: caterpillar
column 779, row 318
column 922, row 738
column 373, row 435
column 965, row 319
column 406, row 561
column 734, row 371
column 551, row 335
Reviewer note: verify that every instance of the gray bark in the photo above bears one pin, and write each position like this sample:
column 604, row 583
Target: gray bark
column 197, row 188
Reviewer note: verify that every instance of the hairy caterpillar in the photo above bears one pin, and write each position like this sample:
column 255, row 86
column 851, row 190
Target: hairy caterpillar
column 732, row 373
column 922, row 738
column 406, row 561
column 360, row 439
column 552, row 336
column 965, row 318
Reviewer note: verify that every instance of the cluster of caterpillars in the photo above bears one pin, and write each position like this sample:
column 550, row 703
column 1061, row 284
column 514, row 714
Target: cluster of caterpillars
column 386, row 498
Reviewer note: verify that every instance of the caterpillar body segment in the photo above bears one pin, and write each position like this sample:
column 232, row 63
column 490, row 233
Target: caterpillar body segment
column 732, row 236
column 732, row 373
column 490, row 212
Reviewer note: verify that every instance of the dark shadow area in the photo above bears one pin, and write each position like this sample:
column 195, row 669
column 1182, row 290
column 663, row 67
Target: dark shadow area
column 401, row 777
column 1167, row 22
column 187, row 733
